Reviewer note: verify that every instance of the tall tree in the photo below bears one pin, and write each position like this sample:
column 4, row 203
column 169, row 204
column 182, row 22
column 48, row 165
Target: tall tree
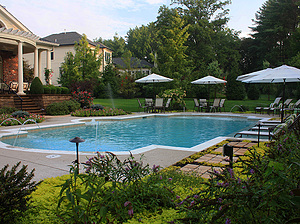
column 205, row 19
column 172, row 36
column 84, row 65
column 117, row 44
column 142, row 42
column 276, row 22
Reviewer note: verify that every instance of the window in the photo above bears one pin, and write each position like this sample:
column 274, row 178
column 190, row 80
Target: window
column 52, row 55
column 107, row 57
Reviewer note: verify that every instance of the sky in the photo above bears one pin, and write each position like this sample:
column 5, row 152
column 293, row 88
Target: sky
column 105, row 18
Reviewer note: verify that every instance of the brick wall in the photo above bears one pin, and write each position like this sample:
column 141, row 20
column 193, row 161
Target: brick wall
column 43, row 100
column 10, row 67
column 7, row 101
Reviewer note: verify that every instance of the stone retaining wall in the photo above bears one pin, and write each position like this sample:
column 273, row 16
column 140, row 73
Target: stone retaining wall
column 43, row 100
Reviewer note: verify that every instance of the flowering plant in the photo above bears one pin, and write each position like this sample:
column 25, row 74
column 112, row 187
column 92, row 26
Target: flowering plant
column 48, row 75
column 177, row 96
column 83, row 97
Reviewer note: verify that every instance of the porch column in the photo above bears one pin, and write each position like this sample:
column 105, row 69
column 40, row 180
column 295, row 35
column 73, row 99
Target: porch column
column 20, row 68
column 36, row 62
column 40, row 65
column 49, row 63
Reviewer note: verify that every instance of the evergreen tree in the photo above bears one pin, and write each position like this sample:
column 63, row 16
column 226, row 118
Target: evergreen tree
column 83, row 66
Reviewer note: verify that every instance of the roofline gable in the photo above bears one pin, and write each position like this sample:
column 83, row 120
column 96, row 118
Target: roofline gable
column 13, row 19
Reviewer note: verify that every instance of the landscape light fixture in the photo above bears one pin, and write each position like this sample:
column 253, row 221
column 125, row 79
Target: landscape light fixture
column 77, row 140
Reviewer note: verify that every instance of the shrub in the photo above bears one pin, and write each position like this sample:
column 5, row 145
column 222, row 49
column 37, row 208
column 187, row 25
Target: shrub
column 36, row 86
column 47, row 90
column 97, row 107
column 15, row 188
column 53, row 89
column 105, row 112
column 62, row 108
column 72, row 105
column 253, row 92
column 83, row 97
column 177, row 96
column 65, row 90
column 58, row 90
column 20, row 114
column 7, row 110
column 57, row 109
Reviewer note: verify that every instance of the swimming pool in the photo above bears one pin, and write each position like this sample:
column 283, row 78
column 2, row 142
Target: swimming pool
column 127, row 135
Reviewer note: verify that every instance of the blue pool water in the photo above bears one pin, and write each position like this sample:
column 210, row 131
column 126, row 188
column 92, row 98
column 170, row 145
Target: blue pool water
column 178, row 131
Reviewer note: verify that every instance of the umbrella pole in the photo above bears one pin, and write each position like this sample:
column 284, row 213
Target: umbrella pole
column 283, row 96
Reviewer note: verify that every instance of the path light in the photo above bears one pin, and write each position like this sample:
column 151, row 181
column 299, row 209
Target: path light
column 77, row 140
column 228, row 151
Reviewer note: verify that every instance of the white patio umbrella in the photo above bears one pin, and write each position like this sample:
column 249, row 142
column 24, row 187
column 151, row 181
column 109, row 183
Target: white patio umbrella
column 252, row 74
column 153, row 78
column 208, row 80
column 282, row 74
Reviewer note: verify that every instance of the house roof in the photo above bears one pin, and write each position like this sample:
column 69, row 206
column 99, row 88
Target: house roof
column 134, row 63
column 69, row 38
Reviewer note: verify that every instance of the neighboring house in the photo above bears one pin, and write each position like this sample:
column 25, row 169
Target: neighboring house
column 16, row 40
column 66, row 41
column 136, row 66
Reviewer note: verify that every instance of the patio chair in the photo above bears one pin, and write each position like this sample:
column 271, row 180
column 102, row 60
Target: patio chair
column 25, row 86
column 145, row 107
column 222, row 102
column 159, row 105
column 196, row 104
column 167, row 104
column 203, row 104
column 216, row 105
column 14, row 86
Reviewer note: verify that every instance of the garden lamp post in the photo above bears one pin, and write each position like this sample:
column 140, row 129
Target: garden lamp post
column 77, row 140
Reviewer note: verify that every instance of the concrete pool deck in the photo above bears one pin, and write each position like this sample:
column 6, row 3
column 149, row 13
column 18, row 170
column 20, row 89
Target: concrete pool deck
column 52, row 163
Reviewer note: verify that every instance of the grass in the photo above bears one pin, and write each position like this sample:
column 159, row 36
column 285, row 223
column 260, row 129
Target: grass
column 132, row 104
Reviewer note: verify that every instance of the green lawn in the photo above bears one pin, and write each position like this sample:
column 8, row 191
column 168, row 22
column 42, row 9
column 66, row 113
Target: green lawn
column 132, row 104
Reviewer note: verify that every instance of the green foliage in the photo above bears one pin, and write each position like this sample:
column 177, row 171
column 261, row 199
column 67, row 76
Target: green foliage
column 259, row 189
column 82, row 66
column 98, row 112
column 20, row 114
column 113, row 190
column 47, row 90
column 83, row 97
column 15, row 188
column 97, row 107
column 58, row 90
column 253, row 92
column 65, row 90
column 62, row 108
column 48, row 75
column 36, row 86
column 177, row 95
column 53, row 89
column 7, row 110
column 128, row 86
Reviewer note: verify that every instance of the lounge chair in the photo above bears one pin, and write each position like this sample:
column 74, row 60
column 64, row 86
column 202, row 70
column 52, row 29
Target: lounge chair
column 159, row 105
column 270, row 132
column 279, row 107
column 222, row 102
column 274, row 104
column 203, row 104
column 215, row 105
column 196, row 104
column 293, row 107
column 145, row 107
